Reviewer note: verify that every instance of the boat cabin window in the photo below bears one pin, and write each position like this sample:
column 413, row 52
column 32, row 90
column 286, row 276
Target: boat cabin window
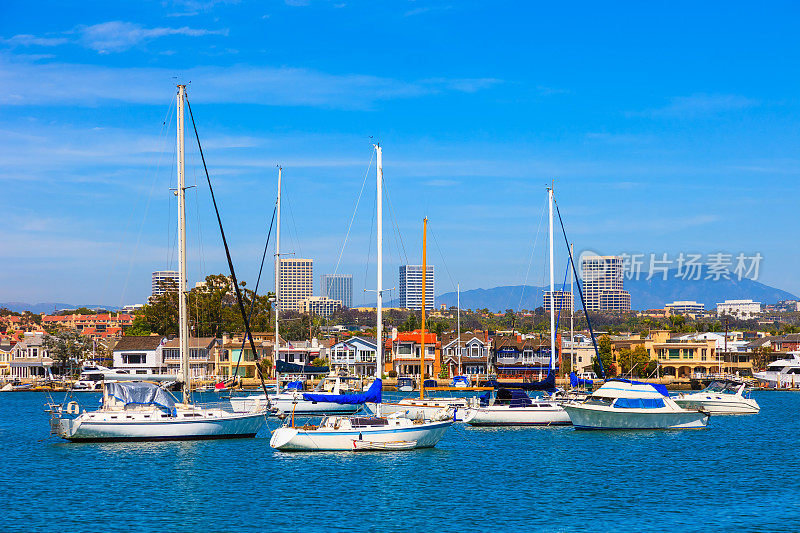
column 599, row 400
column 639, row 403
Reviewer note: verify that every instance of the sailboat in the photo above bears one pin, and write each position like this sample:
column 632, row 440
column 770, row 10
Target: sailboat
column 386, row 433
column 136, row 411
column 513, row 407
column 293, row 400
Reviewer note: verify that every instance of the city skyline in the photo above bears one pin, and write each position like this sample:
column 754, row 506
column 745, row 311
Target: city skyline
column 656, row 144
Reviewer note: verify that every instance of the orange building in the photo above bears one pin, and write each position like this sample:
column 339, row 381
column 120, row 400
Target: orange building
column 99, row 326
column 402, row 354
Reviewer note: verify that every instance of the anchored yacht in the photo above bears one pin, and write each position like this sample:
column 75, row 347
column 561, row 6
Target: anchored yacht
column 782, row 373
column 720, row 398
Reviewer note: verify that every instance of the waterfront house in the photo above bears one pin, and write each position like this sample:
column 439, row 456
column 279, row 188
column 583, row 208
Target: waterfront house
column 30, row 359
column 140, row 354
column 202, row 354
column 97, row 326
column 402, row 354
column 515, row 356
column 355, row 355
column 475, row 351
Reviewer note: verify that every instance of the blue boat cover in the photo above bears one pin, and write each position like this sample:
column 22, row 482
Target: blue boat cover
column 575, row 381
column 141, row 393
column 291, row 368
column 430, row 383
column 548, row 384
column 294, row 385
column 639, row 403
column 662, row 389
column 373, row 394
column 460, row 379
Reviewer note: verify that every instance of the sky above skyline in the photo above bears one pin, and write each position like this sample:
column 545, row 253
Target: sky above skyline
column 666, row 128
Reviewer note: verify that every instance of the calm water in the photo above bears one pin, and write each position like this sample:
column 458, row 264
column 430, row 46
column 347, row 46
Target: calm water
column 741, row 473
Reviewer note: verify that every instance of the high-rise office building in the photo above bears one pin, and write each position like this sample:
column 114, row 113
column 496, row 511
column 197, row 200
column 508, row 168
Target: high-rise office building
column 338, row 287
column 164, row 281
column 411, row 287
column 296, row 282
column 602, row 283
column 563, row 301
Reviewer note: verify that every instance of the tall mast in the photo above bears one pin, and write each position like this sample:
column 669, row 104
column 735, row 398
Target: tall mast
column 277, row 279
column 379, row 304
column 183, row 324
column 458, row 326
column 552, row 286
column 424, row 275
column 572, row 309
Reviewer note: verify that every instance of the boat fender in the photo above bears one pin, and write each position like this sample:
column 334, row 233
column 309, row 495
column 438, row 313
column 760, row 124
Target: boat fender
column 73, row 408
column 360, row 437
column 455, row 410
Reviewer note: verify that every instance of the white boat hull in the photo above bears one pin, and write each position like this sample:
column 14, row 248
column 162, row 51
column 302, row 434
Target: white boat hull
column 719, row 406
column 298, row 439
column 299, row 406
column 506, row 415
column 594, row 417
column 424, row 409
column 391, row 446
column 214, row 424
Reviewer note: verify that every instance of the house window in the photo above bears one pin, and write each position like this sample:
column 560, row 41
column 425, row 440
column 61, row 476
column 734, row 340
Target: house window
column 134, row 358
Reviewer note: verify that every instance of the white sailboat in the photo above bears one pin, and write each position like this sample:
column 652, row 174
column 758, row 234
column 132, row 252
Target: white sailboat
column 135, row 411
column 386, row 433
column 514, row 407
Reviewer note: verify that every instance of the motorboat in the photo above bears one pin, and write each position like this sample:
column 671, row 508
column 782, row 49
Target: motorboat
column 513, row 407
column 92, row 377
column 141, row 411
column 405, row 384
column 342, row 433
column 782, row 373
column 723, row 397
column 625, row 404
column 461, row 382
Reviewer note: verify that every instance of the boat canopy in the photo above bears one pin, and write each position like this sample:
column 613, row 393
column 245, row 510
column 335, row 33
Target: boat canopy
column 373, row 394
column 430, row 383
column 575, row 381
column 513, row 397
column 460, row 379
column 141, row 393
column 283, row 367
column 661, row 389
column 294, row 385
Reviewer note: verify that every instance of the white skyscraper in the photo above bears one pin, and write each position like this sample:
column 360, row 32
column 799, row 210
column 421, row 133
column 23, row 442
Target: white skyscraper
column 338, row 287
column 411, row 287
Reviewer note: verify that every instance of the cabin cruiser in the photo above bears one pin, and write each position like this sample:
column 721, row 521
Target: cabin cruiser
column 513, row 407
column 723, row 397
column 137, row 411
column 782, row 373
column 625, row 404
column 405, row 384
column 93, row 376
column 296, row 400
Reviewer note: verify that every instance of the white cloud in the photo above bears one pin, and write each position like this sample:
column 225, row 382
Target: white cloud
column 112, row 36
column 116, row 36
column 701, row 104
column 60, row 83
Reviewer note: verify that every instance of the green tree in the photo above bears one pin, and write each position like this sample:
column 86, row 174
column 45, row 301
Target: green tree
column 68, row 348
column 638, row 359
column 604, row 348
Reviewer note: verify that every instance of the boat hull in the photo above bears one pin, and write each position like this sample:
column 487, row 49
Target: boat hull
column 298, row 439
column 720, row 406
column 84, row 429
column 420, row 411
column 589, row 417
column 505, row 415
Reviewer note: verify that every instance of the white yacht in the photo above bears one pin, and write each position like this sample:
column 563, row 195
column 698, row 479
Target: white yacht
column 625, row 404
column 140, row 410
column 720, row 398
column 93, row 376
column 513, row 407
column 781, row 373
column 421, row 408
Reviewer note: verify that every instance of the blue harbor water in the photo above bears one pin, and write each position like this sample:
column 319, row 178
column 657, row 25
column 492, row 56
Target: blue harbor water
column 741, row 473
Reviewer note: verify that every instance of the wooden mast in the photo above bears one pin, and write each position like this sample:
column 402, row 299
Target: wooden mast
column 424, row 274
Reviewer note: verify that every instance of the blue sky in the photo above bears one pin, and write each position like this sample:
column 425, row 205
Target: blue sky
column 668, row 127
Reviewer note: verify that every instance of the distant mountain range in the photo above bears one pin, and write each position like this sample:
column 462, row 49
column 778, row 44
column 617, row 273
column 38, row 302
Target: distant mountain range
column 48, row 307
column 652, row 294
